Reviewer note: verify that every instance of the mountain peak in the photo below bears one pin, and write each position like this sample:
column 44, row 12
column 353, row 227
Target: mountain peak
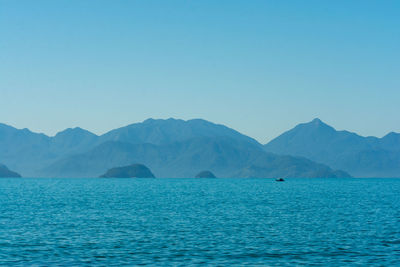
column 317, row 124
column 392, row 134
column 74, row 131
column 164, row 131
column 149, row 120
column 316, row 121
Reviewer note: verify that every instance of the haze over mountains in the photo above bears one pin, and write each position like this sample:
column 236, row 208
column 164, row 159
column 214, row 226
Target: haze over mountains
column 170, row 148
column 360, row 156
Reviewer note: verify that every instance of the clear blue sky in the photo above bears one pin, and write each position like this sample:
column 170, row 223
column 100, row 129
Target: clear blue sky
column 260, row 67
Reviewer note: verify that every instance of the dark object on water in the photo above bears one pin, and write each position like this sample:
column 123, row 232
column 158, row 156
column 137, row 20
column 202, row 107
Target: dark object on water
column 6, row 173
column 280, row 180
column 131, row 171
column 205, row 174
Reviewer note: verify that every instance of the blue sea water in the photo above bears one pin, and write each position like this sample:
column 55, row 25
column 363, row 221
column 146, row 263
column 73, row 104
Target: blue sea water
column 193, row 222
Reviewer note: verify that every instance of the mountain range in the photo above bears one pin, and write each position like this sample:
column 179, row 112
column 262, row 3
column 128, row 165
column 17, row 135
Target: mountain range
column 358, row 155
column 170, row 148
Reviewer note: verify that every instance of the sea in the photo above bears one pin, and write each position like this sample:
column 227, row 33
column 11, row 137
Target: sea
column 199, row 222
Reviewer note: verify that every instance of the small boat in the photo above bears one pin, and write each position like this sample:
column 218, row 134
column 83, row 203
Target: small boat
column 280, row 180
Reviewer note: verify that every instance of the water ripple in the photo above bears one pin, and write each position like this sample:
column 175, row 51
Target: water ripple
column 109, row 222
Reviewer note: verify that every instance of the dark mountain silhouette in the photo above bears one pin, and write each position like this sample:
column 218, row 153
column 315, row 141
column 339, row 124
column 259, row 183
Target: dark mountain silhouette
column 131, row 171
column 205, row 174
column 361, row 156
column 6, row 173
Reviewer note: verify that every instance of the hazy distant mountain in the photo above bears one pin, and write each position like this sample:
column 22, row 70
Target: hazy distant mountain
column 6, row 173
column 171, row 148
column 288, row 166
column 225, row 156
column 161, row 132
column 22, row 149
column 27, row 152
column 361, row 156
column 73, row 141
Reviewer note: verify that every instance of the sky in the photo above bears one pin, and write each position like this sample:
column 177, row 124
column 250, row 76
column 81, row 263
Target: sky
column 260, row 67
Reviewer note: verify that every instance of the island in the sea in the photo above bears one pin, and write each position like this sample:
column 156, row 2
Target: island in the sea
column 6, row 173
column 205, row 174
column 131, row 171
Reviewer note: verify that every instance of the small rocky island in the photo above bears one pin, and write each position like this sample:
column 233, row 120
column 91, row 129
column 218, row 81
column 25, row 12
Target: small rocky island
column 131, row 171
column 205, row 174
column 6, row 173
